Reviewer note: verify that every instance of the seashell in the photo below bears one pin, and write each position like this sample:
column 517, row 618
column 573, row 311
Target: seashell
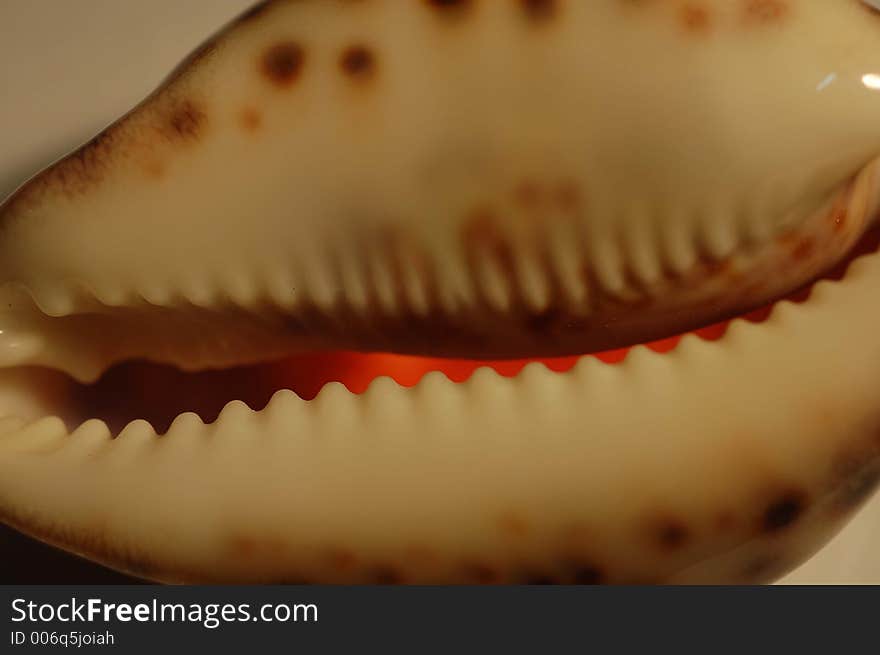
column 527, row 180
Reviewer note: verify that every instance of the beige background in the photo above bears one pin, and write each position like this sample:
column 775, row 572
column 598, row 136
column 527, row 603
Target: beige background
column 70, row 66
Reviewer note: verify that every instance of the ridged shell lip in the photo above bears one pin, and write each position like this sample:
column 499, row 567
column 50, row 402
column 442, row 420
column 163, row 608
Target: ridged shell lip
column 766, row 452
column 159, row 394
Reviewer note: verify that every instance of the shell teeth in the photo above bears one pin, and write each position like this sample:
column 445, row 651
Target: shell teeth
column 718, row 235
column 90, row 436
column 484, row 378
column 460, row 288
column 234, row 425
column 282, row 404
column 320, row 286
column 586, row 367
column 566, row 246
column 240, row 289
column 200, row 293
column 43, row 436
column 641, row 356
column 688, row 345
column 416, row 294
column 356, row 295
column 755, row 226
column 534, row 282
column 380, row 386
column 283, row 418
column 494, row 282
column 335, row 411
column 48, row 434
column 642, row 248
column 234, row 410
column 433, row 382
column 331, row 393
column 608, row 266
column 111, row 294
column 157, row 294
column 281, row 289
column 383, row 281
column 416, row 283
column 186, row 422
column 738, row 330
column 344, row 298
column 535, row 375
column 137, row 440
column 54, row 301
column 679, row 251
column 136, row 432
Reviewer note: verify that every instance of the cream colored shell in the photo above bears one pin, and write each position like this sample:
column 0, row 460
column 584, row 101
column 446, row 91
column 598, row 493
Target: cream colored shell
column 413, row 177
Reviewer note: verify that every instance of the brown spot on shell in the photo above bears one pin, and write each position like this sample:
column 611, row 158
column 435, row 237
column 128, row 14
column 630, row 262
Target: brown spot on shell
column 543, row 322
column 695, row 19
column 341, row 559
column 712, row 267
column 83, row 168
column 256, row 546
column 478, row 573
column 671, row 534
column 514, row 525
column 838, row 219
column 803, row 249
column 576, row 535
column 754, row 289
column 153, row 169
column 480, row 231
column 242, row 546
column 800, row 248
column 784, row 511
column 387, row 575
column 251, row 119
column 282, row 63
column 588, row 575
column 765, row 11
column 185, row 121
column 421, row 555
column 488, row 243
column 725, row 520
column 449, row 7
column 357, row 61
column 568, row 197
column 539, row 10
column 528, row 195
